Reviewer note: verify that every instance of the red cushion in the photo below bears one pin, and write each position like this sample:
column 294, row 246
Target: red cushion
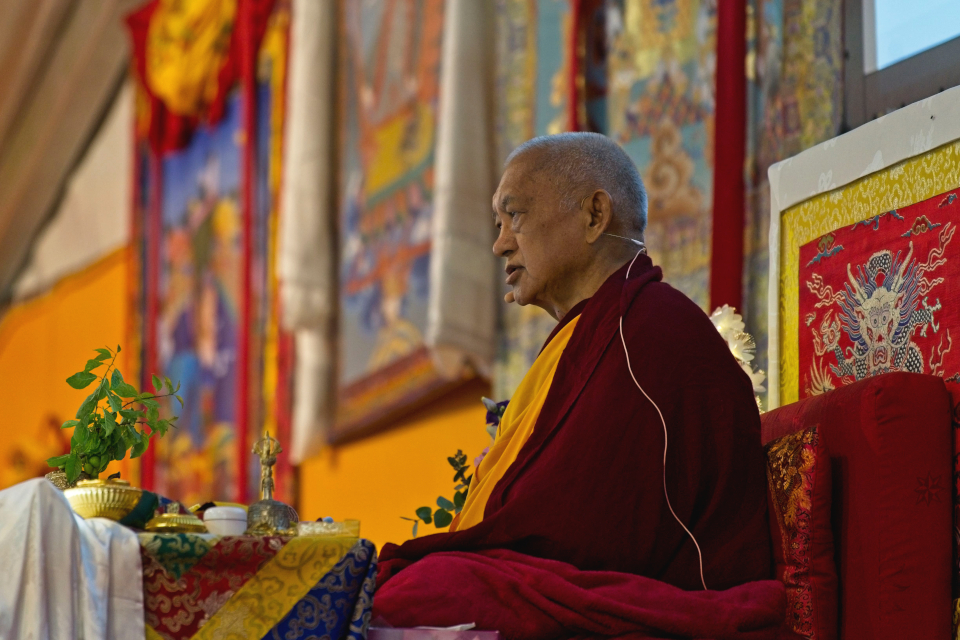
column 798, row 473
column 890, row 444
column 953, row 388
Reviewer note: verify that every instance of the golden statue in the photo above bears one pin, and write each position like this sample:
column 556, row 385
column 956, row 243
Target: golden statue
column 269, row 517
column 267, row 448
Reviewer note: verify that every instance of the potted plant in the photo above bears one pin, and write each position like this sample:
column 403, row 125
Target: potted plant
column 106, row 424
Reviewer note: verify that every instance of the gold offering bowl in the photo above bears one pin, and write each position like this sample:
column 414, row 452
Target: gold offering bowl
column 111, row 499
column 176, row 523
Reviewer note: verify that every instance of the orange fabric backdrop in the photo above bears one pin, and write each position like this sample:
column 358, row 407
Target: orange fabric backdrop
column 42, row 342
column 388, row 475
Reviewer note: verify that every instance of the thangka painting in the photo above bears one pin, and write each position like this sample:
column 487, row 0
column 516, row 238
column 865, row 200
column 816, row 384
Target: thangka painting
column 532, row 99
column 594, row 76
column 389, row 78
column 533, row 70
column 207, row 217
column 198, row 322
column 881, row 295
column 660, row 105
column 795, row 97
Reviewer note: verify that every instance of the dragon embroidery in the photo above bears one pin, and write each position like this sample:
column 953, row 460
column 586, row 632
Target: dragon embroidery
column 884, row 314
column 880, row 311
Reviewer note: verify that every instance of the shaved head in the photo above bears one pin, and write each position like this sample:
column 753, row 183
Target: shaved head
column 570, row 211
column 580, row 163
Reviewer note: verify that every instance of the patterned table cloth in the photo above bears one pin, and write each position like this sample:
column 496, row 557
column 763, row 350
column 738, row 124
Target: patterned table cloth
column 245, row 587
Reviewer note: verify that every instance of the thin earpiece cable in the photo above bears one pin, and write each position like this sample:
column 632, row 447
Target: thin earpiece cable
column 643, row 247
column 664, row 422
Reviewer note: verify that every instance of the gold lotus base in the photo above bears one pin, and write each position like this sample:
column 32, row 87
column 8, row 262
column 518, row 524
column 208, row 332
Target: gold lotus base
column 111, row 499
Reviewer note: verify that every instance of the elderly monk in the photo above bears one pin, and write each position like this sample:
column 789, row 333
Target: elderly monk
column 591, row 512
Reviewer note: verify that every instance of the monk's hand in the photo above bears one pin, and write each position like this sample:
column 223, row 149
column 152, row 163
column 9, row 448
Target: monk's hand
column 509, row 298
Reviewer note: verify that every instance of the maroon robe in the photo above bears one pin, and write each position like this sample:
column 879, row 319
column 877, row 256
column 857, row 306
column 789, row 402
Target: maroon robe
column 587, row 488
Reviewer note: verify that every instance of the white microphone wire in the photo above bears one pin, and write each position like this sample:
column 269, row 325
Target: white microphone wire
column 665, row 437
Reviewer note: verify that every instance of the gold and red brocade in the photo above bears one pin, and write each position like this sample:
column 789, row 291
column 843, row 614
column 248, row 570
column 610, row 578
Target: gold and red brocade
column 880, row 295
column 186, row 579
column 199, row 587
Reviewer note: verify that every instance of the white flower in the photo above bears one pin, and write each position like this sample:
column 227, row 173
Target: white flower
column 741, row 346
column 727, row 321
column 756, row 377
column 730, row 325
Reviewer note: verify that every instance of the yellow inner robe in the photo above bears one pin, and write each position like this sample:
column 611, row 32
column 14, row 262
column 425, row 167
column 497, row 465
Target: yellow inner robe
column 516, row 425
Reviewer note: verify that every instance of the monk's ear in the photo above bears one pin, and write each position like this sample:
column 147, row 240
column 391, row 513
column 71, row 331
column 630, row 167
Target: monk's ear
column 599, row 210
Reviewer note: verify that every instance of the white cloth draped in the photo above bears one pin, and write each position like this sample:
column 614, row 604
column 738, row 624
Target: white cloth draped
column 93, row 219
column 307, row 221
column 461, row 312
column 65, row 577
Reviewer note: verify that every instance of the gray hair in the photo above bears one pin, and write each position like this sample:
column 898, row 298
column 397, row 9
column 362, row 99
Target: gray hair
column 581, row 162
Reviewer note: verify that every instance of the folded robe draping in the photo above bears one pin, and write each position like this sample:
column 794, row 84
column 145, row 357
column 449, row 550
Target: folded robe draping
column 529, row 598
column 515, row 428
column 586, row 489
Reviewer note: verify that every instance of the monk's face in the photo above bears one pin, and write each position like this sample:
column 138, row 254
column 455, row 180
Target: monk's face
column 542, row 241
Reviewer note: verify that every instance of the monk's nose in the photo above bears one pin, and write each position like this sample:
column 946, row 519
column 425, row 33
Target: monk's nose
column 505, row 243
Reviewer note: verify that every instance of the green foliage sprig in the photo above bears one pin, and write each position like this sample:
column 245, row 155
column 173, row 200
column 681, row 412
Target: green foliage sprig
column 105, row 427
column 447, row 508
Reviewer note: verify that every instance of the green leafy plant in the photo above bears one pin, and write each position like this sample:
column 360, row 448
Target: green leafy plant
column 443, row 515
column 105, row 427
